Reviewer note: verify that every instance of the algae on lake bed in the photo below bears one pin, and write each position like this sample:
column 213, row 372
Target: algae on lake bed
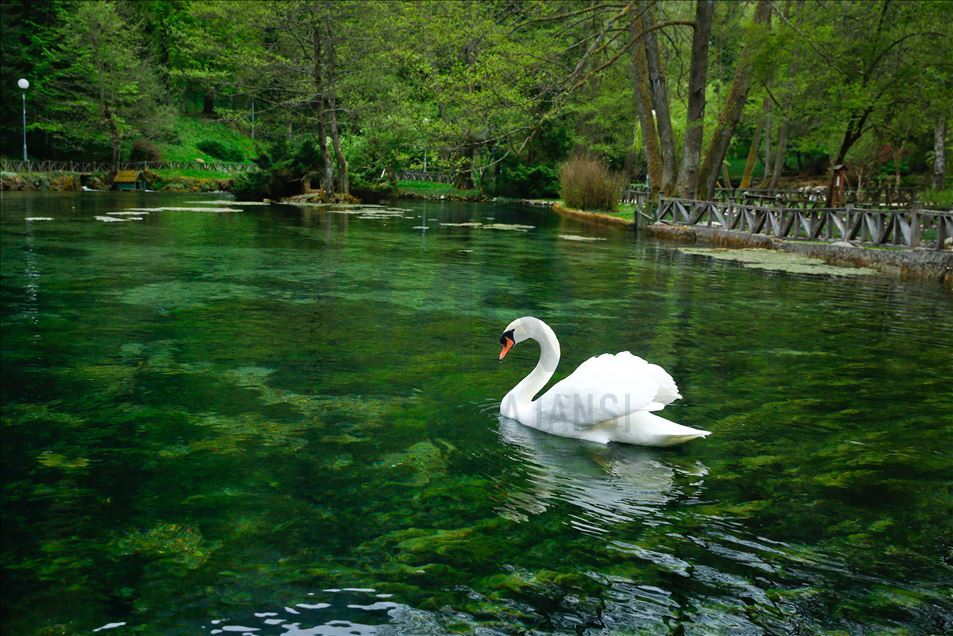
column 777, row 260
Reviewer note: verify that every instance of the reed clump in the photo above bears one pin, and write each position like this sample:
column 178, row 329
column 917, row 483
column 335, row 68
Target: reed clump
column 586, row 184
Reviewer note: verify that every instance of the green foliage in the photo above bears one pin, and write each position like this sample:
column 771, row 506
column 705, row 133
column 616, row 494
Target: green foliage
column 586, row 184
column 98, row 88
column 436, row 190
column 280, row 172
column 462, row 83
column 219, row 150
column 938, row 197
column 536, row 181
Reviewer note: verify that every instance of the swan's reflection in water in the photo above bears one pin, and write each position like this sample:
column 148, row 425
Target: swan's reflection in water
column 608, row 484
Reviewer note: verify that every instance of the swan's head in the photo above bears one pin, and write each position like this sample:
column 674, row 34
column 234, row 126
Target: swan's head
column 514, row 333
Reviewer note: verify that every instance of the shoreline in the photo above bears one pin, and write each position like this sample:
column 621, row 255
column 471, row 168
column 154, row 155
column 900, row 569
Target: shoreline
column 74, row 182
column 903, row 263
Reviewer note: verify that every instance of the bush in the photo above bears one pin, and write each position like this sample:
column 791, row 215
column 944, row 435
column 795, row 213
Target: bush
column 219, row 150
column 373, row 192
column 143, row 150
column 586, row 184
column 528, row 181
column 281, row 170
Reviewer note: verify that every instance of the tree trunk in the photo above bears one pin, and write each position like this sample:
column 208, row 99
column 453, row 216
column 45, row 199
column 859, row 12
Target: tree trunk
column 463, row 179
column 753, row 151
column 939, row 153
column 327, row 180
column 343, row 181
column 663, row 118
column 725, row 177
column 779, row 154
column 115, row 135
column 897, row 157
column 731, row 112
column 766, row 158
column 643, row 102
column 208, row 103
column 695, row 119
column 853, row 132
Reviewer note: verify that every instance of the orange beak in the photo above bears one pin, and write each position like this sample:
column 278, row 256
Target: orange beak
column 507, row 345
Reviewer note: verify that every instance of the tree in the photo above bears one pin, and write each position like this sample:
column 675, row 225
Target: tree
column 864, row 61
column 100, row 86
column 695, row 117
column 734, row 105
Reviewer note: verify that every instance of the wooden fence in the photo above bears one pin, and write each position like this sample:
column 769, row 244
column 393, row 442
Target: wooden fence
column 228, row 167
column 417, row 175
column 910, row 228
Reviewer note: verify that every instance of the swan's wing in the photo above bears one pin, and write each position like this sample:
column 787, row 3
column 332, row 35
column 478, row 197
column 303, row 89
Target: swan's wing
column 607, row 387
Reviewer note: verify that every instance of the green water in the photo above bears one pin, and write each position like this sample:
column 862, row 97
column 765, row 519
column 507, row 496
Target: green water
column 285, row 420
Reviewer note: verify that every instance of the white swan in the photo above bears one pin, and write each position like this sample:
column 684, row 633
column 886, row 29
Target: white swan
column 609, row 398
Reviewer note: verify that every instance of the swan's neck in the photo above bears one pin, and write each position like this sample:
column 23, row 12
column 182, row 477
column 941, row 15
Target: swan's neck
column 521, row 396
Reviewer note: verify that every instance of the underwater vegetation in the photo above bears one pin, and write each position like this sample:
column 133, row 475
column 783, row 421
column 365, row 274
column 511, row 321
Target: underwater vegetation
column 288, row 417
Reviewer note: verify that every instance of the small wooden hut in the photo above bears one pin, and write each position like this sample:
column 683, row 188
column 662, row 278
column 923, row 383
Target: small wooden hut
column 130, row 180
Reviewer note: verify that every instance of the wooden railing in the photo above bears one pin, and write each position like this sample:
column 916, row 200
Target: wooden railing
column 227, row 167
column 419, row 175
column 909, row 228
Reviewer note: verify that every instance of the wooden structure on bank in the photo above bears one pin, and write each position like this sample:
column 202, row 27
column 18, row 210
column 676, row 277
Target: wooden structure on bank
column 130, row 180
column 910, row 228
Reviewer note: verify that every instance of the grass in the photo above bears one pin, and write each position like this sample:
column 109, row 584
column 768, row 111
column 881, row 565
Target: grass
column 192, row 130
column 937, row 197
column 432, row 188
column 167, row 175
column 622, row 211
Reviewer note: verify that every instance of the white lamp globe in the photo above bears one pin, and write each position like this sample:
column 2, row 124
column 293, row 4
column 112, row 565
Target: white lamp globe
column 22, row 83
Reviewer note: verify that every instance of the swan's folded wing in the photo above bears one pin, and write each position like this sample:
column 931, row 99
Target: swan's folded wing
column 667, row 389
column 604, row 388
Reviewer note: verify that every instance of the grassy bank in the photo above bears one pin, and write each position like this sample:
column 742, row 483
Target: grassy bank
column 191, row 131
column 433, row 190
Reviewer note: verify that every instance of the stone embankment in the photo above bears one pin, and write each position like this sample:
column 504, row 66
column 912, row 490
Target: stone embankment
column 919, row 263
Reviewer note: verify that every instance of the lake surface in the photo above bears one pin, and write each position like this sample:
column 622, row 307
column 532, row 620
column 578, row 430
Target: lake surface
column 284, row 420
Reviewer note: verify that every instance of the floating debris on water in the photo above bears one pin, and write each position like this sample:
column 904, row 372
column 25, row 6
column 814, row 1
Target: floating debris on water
column 375, row 211
column 187, row 209
column 229, row 202
column 510, row 226
column 39, row 218
column 574, row 237
column 777, row 260
column 493, row 226
column 129, row 213
column 110, row 219
column 109, row 625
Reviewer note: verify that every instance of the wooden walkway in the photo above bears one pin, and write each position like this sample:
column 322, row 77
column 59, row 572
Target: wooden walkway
column 909, row 228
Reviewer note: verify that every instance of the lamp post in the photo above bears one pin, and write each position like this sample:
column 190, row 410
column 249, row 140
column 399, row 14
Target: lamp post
column 24, row 84
column 426, row 122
